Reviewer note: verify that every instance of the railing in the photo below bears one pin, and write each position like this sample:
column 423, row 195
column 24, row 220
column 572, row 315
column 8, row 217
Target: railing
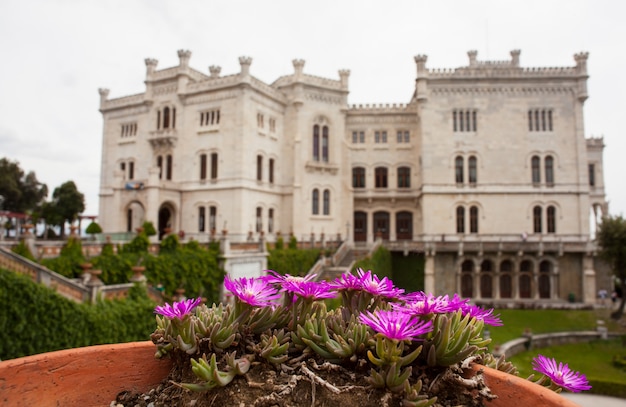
column 340, row 253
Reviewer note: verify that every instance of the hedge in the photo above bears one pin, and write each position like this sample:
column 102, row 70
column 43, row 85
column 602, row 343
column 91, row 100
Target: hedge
column 295, row 262
column 36, row 319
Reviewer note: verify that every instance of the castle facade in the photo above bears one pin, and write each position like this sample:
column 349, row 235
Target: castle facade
column 486, row 171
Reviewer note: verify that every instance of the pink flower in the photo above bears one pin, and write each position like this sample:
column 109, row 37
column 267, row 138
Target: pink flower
column 420, row 303
column 313, row 290
column 485, row 315
column 395, row 325
column 561, row 375
column 178, row 309
column 377, row 287
column 347, row 281
column 257, row 292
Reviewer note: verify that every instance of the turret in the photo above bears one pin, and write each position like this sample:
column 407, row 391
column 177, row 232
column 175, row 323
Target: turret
column 183, row 58
column 104, row 95
column 421, row 81
column 245, row 63
column 215, row 71
column 581, row 70
column 298, row 68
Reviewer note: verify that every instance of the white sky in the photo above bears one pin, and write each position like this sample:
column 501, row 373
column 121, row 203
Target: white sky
column 57, row 53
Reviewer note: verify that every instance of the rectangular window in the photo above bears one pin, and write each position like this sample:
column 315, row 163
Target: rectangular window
column 260, row 120
column 131, row 170
column 270, row 220
column 377, row 137
column 201, row 219
column 540, row 120
column 168, row 168
column 272, row 125
column 202, row 166
column 358, row 177
column 464, row 120
column 592, row 175
column 213, row 165
column 210, row 118
column 403, row 136
column 381, row 177
column 474, row 219
column 460, row 219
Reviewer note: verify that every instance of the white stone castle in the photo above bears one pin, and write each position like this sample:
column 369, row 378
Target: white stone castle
column 486, row 171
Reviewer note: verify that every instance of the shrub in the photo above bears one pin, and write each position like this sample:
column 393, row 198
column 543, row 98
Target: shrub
column 149, row 229
column 380, row 261
column 23, row 250
column 295, row 262
column 69, row 261
column 93, row 228
column 36, row 319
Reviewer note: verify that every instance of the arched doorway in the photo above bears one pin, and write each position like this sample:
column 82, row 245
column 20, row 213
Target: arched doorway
column 166, row 220
column 467, row 281
column 381, row 225
column 545, row 270
column 360, row 226
column 525, row 279
column 506, row 287
column 404, row 226
column 486, row 279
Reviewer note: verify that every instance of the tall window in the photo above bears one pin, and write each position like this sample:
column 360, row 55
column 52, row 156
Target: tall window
column 460, row 219
column 458, row 169
column 537, row 219
column 325, row 144
column 210, row 118
column 380, row 174
column 131, row 170
column 404, row 177
column 315, row 202
column 472, row 169
column 551, row 219
column 358, row 137
column 212, row 218
column 316, row 142
column 549, row 170
column 592, row 175
column 160, row 165
column 201, row 219
column 203, row 167
column 464, row 120
column 259, row 167
column 535, row 165
column 271, row 171
column 166, row 118
column 213, row 165
column 473, row 219
column 326, row 202
column 380, row 137
column 168, row 167
column 358, row 177
column 259, row 219
column 270, row 220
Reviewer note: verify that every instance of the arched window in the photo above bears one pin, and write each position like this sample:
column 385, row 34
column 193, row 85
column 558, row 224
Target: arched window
column 474, row 219
column 381, row 225
column 460, row 219
column 537, row 219
column 316, row 202
column 486, row 279
column 458, row 169
column 259, row 167
column 525, row 279
column 473, row 175
column 160, row 165
column 259, row 219
column 381, row 177
column 506, row 290
column 404, row 177
column 326, row 202
column 549, row 170
column 201, row 219
column 202, row 166
column 358, row 177
column 166, row 118
column 168, row 167
column 535, row 163
column 213, row 165
column 325, row 144
column 271, row 171
column 545, row 269
column 404, row 225
column 316, row 142
column 551, row 219
column 467, row 281
column 270, row 220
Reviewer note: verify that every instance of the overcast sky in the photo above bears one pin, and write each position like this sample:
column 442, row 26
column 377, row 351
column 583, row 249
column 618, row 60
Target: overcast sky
column 57, row 53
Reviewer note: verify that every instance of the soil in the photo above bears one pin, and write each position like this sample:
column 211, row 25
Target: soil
column 306, row 384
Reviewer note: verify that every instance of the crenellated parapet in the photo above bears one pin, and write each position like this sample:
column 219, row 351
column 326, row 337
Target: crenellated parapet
column 104, row 95
column 151, row 65
column 595, row 142
column 183, row 57
column 244, row 63
column 215, row 70
column 380, row 107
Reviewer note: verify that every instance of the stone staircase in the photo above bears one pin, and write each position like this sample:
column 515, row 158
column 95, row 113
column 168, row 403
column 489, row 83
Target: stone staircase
column 343, row 261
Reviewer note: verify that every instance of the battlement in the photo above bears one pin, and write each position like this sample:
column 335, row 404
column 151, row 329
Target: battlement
column 108, row 104
column 380, row 107
column 595, row 142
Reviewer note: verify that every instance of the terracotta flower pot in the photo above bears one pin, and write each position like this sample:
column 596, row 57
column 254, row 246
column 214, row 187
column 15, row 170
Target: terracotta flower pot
column 516, row 391
column 94, row 375
column 89, row 376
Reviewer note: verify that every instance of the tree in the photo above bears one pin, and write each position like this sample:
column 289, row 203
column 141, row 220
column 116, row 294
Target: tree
column 20, row 192
column 611, row 237
column 68, row 202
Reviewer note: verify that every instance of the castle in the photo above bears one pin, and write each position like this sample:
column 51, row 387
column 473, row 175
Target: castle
column 486, row 171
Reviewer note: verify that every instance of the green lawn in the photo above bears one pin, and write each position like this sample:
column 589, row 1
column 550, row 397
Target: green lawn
column 594, row 359
column 543, row 321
